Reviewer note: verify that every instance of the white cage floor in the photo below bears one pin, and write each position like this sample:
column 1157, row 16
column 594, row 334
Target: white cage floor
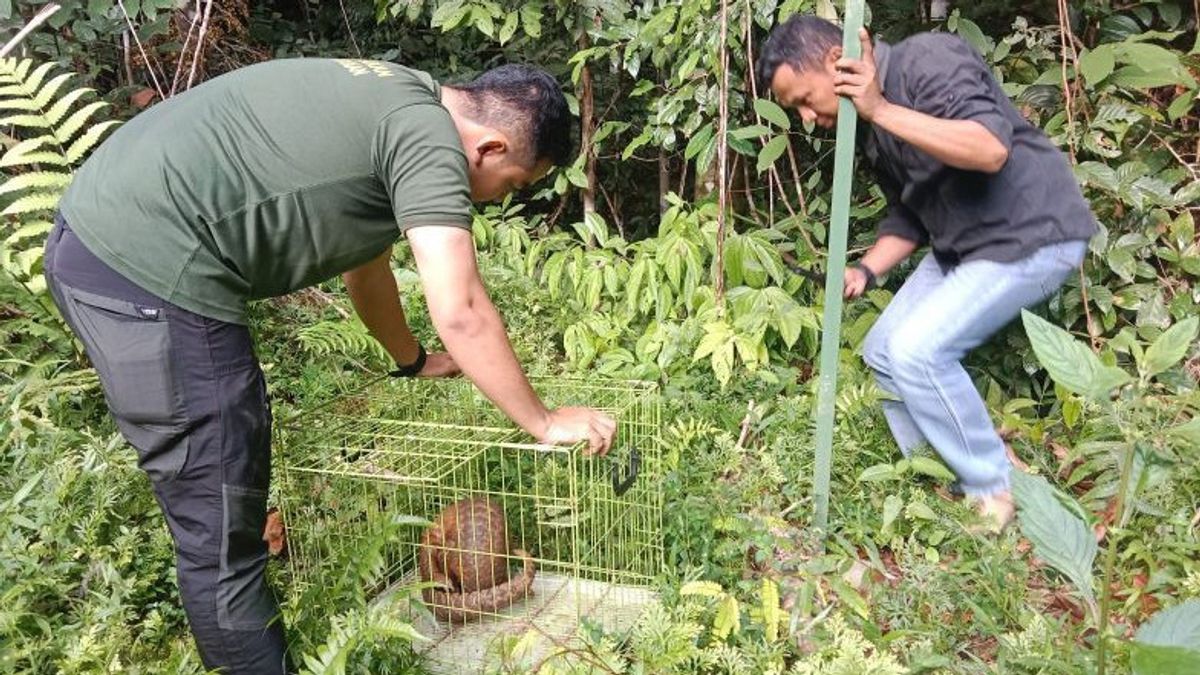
column 554, row 612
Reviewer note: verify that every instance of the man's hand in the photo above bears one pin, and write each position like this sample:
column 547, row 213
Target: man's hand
column 439, row 364
column 855, row 283
column 857, row 80
column 566, row 426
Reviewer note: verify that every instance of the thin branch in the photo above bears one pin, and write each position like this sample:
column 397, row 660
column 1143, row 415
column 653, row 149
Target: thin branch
column 145, row 57
column 37, row 20
column 1064, row 33
column 349, row 30
column 195, row 21
column 200, row 43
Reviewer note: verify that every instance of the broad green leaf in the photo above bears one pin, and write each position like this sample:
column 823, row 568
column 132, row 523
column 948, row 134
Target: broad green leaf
column 892, row 505
column 920, row 510
column 1069, row 362
column 1169, row 643
column 1170, row 347
column 698, row 141
column 1156, row 660
column 771, row 152
column 1188, row 432
column 878, row 472
column 1058, row 536
column 851, row 597
column 1097, row 64
column 771, row 111
column 509, row 28
column 1137, row 77
column 1182, row 104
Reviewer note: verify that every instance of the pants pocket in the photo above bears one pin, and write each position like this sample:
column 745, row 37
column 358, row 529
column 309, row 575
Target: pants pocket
column 244, row 602
column 130, row 346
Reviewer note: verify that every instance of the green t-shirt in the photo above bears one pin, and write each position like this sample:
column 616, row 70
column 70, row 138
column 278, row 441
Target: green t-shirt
column 270, row 179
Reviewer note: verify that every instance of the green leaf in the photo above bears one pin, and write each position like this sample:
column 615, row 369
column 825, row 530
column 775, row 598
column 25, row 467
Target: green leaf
column 1137, row 77
column 932, row 468
column 851, row 597
column 878, row 472
column 1169, row 643
column 698, row 141
column 509, row 28
column 1058, row 536
column 708, row 589
column 577, row 177
column 1188, row 432
column 892, row 505
column 1097, row 64
column 771, row 111
column 1069, row 362
column 1155, row 660
column 771, row 152
column 36, row 179
column 1170, row 347
column 1182, row 104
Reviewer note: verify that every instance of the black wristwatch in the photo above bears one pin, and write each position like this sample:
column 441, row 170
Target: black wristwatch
column 412, row 369
column 871, row 280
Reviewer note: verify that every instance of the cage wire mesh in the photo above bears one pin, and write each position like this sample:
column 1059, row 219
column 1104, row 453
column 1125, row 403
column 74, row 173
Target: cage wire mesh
column 592, row 525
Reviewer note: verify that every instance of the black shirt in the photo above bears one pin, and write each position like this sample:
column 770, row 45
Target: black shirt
column 967, row 215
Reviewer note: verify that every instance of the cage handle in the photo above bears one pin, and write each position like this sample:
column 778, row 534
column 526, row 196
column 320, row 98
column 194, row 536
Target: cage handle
column 621, row 486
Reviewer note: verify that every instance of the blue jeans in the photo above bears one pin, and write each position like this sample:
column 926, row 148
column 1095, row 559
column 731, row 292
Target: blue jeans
column 917, row 345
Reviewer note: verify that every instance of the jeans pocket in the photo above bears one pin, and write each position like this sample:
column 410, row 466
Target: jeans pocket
column 244, row 602
column 130, row 346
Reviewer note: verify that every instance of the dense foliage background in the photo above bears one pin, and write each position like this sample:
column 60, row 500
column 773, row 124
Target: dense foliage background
column 652, row 258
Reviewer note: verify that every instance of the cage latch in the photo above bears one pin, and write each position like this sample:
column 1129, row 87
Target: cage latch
column 621, row 486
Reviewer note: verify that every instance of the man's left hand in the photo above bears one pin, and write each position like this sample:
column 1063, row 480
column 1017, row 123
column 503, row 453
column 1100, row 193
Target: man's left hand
column 856, row 79
column 439, row 364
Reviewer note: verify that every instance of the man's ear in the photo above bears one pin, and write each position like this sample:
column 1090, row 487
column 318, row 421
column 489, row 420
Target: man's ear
column 493, row 145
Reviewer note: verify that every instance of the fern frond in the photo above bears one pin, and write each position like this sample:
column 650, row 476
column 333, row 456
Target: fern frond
column 60, row 108
column 18, row 154
column 34, row 81
column 32, row 229
column 89, row 138
column 41, row 201
column 26, row 104
column 36, row 179
column 77, row 119
column 21, row 71
column 28, row 121
column 710, row 589
column 46, row 95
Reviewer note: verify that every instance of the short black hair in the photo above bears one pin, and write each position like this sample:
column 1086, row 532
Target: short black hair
column 527, row 101
column 801, row 42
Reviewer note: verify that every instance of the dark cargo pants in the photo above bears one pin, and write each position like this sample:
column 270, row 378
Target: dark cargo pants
column 187, row 393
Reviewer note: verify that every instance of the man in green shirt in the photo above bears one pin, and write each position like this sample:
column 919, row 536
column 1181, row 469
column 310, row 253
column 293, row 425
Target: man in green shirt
column 256, row 184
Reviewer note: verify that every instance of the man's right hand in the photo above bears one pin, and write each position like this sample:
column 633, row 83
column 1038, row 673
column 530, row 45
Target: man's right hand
column 855, row 283
column 566, row 426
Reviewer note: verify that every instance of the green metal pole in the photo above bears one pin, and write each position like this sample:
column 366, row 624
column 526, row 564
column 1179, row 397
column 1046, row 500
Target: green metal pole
column 831, row 325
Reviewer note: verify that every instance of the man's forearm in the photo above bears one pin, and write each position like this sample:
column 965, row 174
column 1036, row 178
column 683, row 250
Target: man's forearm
column 477, row 341
column 963, row 144
column 376, row 300
column 887, row 252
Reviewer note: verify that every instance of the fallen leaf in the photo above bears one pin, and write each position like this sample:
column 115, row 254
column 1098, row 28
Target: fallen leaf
column 143, row 98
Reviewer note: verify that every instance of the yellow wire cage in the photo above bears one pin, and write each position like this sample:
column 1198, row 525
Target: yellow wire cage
column 592, row 525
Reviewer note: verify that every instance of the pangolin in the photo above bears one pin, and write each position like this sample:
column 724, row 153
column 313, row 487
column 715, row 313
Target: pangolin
column 466, row 554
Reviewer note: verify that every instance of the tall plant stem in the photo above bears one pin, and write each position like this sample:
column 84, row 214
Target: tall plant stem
column 1110, row 559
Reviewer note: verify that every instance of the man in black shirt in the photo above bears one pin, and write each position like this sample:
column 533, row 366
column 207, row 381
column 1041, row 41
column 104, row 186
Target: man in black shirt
column 966, row 175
